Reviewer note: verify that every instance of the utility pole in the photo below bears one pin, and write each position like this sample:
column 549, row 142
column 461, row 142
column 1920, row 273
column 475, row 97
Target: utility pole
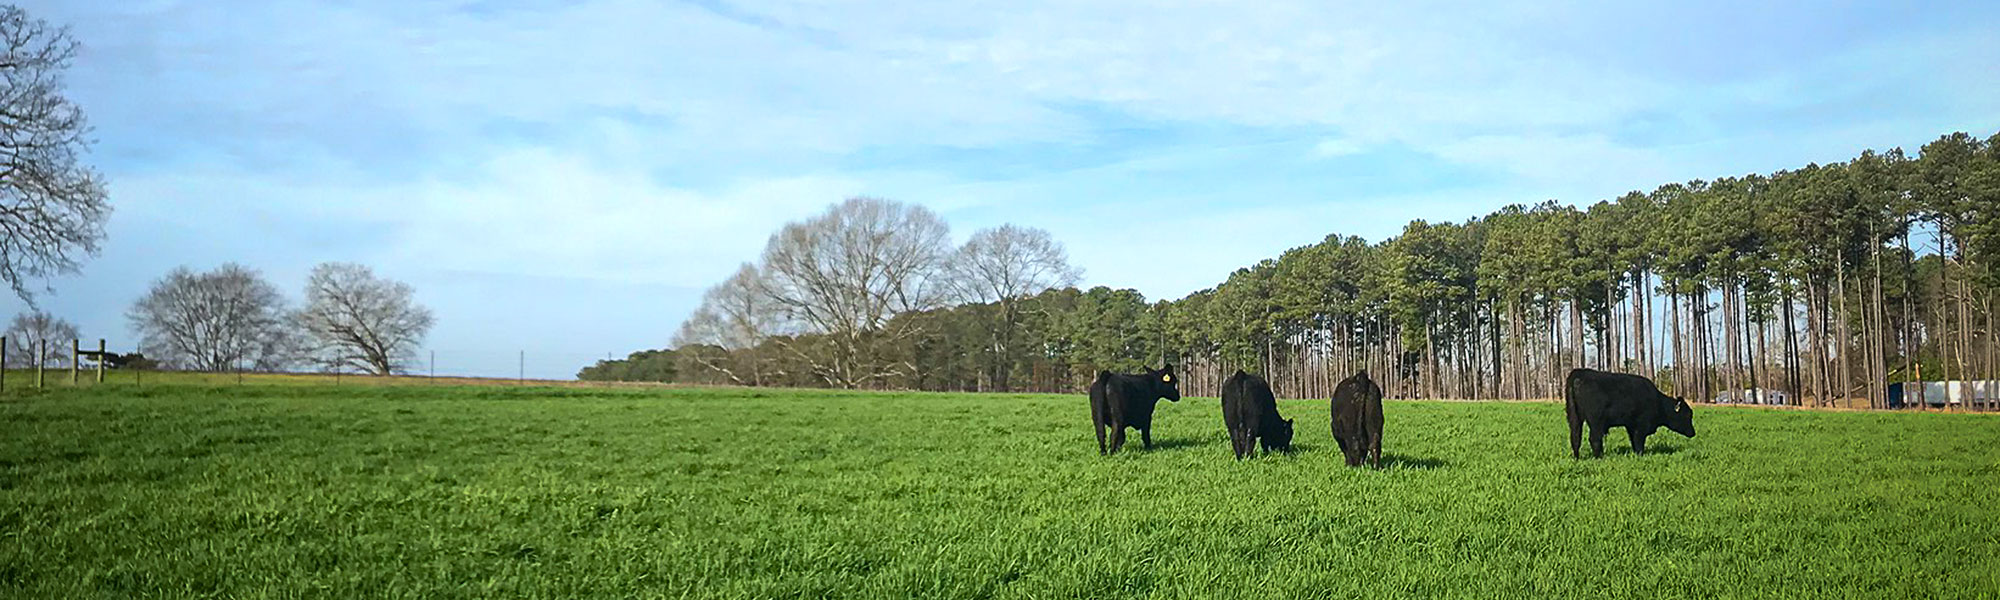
column 521, row 376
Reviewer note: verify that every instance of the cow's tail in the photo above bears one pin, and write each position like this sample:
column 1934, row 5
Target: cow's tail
column 1098, row 395
column 1569, row 395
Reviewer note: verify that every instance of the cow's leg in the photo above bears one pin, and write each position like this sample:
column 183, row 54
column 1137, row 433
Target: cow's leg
column 1375, row 451
column 1117, row 436
column 1146, row 435
column 1100, row 437
column 1638, row 441
column 1100, row 416
column 1236, row 443
column 1575, row 433
column 1597, row 440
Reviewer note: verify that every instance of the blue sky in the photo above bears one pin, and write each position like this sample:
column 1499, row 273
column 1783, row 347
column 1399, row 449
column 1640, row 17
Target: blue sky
column 565, row 178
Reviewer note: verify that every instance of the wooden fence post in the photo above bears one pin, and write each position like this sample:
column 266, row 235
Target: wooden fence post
column 100, row 360
column 41, row 351
column 75, row 366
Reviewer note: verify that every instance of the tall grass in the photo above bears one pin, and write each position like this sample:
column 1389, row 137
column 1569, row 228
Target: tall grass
column 264, row 490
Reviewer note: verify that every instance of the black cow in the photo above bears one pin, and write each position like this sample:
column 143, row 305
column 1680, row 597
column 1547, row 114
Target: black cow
column 1118, row 401
column 1357, row 419
column 1250, row 412
column 1607, row 400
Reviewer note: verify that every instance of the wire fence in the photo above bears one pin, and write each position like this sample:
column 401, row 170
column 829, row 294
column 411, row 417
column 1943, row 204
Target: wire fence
column 95, row 363
column 92, row 362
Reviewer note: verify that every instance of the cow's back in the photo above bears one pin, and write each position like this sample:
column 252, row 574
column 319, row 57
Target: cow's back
column 1127, row 395
column 1236, row 402
column 1247, row 402
column 1355, row 409
column 1610, row 399
column 1371, row 412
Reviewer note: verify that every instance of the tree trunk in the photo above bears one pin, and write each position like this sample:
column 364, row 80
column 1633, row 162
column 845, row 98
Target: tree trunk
column 1575, row 338
column 1674, row 339
column 1793, row 387
column 1841, row 329
column 1814, row 342
column 1965, row 332
column 1704, row 361
column 1644, row 324
column 1758, row 355
column 1879, row 355
column 1731, row 312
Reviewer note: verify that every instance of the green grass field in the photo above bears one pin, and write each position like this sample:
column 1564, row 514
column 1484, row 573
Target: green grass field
column 507, row 492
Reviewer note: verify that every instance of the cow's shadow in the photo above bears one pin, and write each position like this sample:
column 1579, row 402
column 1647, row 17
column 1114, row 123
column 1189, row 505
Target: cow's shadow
column 1164, row 444
column 1651, row 449
column 1624, row 450
column 1392, row 460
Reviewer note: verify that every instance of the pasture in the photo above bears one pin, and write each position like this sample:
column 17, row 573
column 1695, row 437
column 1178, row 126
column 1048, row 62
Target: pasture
column 257, row 491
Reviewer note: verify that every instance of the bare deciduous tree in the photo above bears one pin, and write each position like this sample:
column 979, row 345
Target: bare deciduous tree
column 847, row 271
column 221, row 320
column 356, row 320
column 52, row 209
column 1010, row 262
column 1002, row 265
column 26, row 337
column 736, row 315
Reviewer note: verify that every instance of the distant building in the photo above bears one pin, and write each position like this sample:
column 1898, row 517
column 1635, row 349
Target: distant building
column 1943, row 393
column 1753, row 396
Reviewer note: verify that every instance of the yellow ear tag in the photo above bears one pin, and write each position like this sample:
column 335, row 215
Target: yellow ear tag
column 1167, row 378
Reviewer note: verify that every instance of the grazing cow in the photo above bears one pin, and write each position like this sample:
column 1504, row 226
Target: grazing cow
column 1118, row 401
column 1607, row 400
column 1250, row 412
column 1357, row 419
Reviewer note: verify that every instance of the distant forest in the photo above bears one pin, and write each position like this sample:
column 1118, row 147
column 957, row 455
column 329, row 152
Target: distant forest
column 1825, row 281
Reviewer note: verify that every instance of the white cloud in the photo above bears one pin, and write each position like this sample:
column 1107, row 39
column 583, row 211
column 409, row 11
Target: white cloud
column 1334, row 147
column 528, row 211
column 780, row 83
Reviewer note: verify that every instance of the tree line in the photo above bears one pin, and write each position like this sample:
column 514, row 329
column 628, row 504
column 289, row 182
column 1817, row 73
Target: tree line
column 1822, row 282
column 232, row 319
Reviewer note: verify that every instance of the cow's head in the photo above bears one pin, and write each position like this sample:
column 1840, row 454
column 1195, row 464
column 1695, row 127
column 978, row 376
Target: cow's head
column 1679, row 416
column 1353, row 446
column 1347, row 429
column 1280, row 436
column 1165, row 383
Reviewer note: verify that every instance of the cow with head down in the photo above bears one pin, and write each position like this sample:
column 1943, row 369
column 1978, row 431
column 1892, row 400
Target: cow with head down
column 1118, row 401
column 1250, row 413
column 1606, row 400
column 1357, row 419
